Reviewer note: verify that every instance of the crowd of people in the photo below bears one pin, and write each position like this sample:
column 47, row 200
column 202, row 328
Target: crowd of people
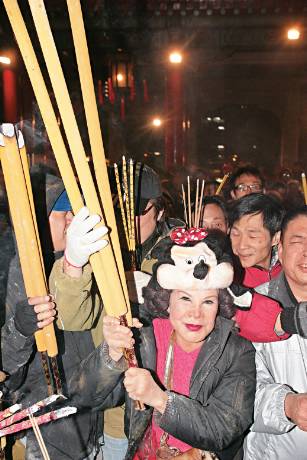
column 219, row 326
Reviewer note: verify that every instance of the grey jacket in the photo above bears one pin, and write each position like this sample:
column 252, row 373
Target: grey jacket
column 221, row 392
column 281, row 368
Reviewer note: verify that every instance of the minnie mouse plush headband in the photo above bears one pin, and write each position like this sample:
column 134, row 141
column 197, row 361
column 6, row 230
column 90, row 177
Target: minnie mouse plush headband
column 194, row 259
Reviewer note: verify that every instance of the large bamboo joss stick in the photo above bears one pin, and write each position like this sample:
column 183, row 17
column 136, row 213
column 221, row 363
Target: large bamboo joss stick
column 93, row 124
column 219, row 189
column 24, row 228
column 113, row 294
column 25, row 167
column 44, row 102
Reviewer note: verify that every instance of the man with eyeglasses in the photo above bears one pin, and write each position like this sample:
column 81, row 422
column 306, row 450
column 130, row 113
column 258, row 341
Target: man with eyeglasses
column 244, row 181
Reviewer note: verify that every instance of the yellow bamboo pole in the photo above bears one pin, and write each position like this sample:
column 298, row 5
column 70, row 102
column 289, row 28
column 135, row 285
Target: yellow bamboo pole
column 26, row 173
column 93, row 124
column 24, row 230
column 219, row 189
column 114, row 299
column 304, row 184
column 44, row 102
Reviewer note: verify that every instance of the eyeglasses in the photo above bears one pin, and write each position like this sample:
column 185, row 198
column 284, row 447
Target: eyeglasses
column 251, row 187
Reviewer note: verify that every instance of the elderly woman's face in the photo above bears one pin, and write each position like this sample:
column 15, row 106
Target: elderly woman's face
column 192, row 314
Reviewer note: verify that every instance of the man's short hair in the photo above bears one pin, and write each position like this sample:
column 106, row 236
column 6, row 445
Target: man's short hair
column 248, row 170
column 257, row 203
column 218, row 201
column 290, row 216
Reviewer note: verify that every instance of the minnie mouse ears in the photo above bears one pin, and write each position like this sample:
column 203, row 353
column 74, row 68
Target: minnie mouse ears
column 195, row 259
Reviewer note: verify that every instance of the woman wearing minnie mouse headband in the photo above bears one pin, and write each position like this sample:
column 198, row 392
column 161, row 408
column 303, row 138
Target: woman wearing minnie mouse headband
column 198, row 375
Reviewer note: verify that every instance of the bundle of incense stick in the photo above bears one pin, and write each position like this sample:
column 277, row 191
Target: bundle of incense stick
column 20, row 198
column 193, row 220
column 17, row 416
column 125, row 191
column 41, row 419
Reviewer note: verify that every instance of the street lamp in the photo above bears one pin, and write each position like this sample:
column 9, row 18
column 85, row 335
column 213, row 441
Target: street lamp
column 175, row 57
column 293, row 33
column 156, row 122
column 5, row 60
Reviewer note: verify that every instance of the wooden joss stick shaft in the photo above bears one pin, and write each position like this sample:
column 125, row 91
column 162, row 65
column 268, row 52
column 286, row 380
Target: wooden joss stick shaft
column 39, row 437
column 200, row 206
column 105, row 267
column 184, row 205
column 44, row 102
column 121, row 204
column 196, row 203
column 189, row 202
column 24, row 229
column 39, row 335
column 304, row 185
column 132, row 205
column 219, row 189
column 127, row 201
column 95, row 135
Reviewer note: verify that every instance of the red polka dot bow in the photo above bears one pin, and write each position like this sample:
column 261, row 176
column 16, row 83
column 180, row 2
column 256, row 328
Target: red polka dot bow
column 181, row 236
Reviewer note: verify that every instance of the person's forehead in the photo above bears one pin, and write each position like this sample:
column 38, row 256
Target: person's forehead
column 297, row 226
column 213, row 210
column 247, row 179
column 250, row 221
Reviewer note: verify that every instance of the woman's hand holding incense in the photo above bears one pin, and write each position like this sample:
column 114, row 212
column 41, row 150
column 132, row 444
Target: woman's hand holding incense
column 82, row 239
column 118, row 337
column 141, row 387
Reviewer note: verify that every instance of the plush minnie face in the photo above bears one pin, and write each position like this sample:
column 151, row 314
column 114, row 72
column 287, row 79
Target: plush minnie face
column 194, row 267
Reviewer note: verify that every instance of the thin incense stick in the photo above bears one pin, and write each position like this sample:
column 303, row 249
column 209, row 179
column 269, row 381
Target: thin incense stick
column 126, row 191
column 218, row 191
column 132, row 236
column 200, row 203
column 39, row 437
column 184, row 205
column 196, row 203
column 189, row 201
column 121, row 204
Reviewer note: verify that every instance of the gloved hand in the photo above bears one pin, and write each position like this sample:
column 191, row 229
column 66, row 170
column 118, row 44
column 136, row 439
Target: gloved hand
column 135, row 282
column 82, row 240
column 34, row 313
column 294, row 320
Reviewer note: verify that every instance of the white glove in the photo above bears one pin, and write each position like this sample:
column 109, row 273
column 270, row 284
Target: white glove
column 82, row 239
column 135, row 283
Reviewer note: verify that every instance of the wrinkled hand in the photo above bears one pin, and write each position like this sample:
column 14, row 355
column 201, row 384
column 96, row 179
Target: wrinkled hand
column 82, row 239
column 296, row 409
column 33, row 314
column 136, row 280
column 141, row 387
column 118, row 337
